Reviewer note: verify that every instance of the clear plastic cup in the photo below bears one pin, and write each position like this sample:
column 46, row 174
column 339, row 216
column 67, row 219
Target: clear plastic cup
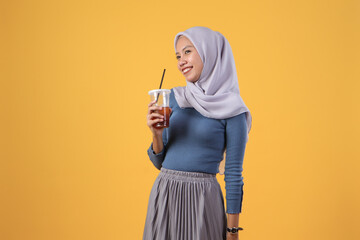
column 161, row 96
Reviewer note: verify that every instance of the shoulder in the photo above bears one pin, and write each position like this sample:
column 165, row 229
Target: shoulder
column 236, row 129
column 172, row 101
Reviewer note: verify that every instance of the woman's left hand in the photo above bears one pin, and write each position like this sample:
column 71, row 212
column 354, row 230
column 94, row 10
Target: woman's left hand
column 231, row 236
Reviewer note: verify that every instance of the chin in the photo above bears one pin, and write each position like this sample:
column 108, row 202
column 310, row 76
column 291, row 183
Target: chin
column 192, row 80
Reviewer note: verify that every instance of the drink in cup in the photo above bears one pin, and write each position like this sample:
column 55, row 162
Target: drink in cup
column 161, row 96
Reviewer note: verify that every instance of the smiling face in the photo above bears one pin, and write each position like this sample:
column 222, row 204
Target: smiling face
column 189, row 60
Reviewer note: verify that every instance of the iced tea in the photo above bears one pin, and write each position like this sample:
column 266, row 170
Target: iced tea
column 165, row 111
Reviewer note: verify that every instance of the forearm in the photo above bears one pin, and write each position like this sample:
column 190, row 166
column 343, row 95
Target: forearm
column 232, row 221
column 158, row 144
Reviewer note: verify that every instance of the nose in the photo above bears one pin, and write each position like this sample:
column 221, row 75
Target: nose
column 182, row 61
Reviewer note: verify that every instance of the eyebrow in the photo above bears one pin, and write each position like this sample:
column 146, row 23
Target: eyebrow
column 184, row 48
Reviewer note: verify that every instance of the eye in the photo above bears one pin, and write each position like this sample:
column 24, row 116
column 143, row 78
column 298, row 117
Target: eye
column 187, row 51
column 178, row 57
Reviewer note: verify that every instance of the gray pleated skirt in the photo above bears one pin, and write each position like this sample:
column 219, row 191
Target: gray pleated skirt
column 185, row 206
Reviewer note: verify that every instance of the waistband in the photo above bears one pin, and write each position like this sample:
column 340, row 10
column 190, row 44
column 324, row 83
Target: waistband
column 187, row 176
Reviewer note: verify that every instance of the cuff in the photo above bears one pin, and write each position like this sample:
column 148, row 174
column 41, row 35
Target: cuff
column 234, row 205
column 158, row 158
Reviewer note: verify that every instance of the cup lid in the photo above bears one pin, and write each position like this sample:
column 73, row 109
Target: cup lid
column 158, row 91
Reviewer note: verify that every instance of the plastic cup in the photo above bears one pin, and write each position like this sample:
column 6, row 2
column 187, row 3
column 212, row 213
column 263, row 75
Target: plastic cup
column 161, row 96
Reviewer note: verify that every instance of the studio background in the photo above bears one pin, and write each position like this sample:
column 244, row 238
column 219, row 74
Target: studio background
column 74, row 77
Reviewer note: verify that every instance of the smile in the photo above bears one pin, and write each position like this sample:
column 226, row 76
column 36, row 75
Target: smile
column 186, row 70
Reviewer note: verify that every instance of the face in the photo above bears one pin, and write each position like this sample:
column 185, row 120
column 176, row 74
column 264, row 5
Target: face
column 189, row 60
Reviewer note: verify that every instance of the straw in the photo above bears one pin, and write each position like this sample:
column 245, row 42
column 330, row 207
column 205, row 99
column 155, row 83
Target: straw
column 162, row 78
column 157, row 97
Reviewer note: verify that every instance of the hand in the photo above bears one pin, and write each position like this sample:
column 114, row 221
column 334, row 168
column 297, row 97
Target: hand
column 153, row 118
column 232, row 236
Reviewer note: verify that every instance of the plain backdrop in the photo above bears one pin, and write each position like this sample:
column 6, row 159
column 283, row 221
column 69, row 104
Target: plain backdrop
column 74, row 82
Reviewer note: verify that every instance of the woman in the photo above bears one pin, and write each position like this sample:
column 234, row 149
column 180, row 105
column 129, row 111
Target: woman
column 208, row 117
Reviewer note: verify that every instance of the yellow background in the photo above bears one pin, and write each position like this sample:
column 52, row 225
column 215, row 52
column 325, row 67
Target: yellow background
column 73, row 101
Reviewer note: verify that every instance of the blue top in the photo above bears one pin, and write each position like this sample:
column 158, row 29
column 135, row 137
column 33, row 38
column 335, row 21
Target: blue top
column 195, row 143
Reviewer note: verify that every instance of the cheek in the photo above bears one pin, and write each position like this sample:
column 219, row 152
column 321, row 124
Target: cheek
column 199, row 65
column 198, row 62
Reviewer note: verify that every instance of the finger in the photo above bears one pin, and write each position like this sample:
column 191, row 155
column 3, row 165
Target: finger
column 152, row 122
column 151, row 103
column 156, row 115
column 152, row 117
column 156, row 120
column 153, row 109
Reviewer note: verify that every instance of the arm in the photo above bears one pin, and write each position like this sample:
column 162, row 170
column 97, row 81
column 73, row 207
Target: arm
column 157, row 144
column 236, row 134
column 232, row 221
column 156, row 150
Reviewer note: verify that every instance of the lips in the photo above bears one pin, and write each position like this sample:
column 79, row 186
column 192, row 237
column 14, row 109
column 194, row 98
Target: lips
column 186, row 70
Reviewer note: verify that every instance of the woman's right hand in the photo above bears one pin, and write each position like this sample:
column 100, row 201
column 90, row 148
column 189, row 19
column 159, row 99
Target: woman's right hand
column 153, row 118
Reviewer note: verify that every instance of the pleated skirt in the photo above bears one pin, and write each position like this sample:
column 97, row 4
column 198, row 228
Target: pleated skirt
column 185, row 206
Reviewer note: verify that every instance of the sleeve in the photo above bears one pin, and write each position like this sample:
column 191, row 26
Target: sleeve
column 236, row 134
column 157, row 159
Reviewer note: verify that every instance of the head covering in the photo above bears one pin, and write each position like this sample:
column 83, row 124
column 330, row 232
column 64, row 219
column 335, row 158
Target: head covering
column 216, row 94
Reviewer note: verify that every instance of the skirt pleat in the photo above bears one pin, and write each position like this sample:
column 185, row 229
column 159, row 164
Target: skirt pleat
column 185, row 206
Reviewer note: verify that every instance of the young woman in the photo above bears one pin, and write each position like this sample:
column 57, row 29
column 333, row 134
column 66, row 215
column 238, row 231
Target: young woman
column 208, row 118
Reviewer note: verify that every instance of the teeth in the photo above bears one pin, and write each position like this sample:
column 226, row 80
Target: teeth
column 186, row 70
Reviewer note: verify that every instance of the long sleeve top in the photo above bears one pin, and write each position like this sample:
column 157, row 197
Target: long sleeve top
column 196, row 143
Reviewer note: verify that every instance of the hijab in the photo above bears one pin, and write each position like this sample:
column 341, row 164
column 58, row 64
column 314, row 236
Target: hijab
column 216, row 94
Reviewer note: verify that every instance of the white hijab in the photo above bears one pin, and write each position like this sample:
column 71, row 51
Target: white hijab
column 216, row 94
